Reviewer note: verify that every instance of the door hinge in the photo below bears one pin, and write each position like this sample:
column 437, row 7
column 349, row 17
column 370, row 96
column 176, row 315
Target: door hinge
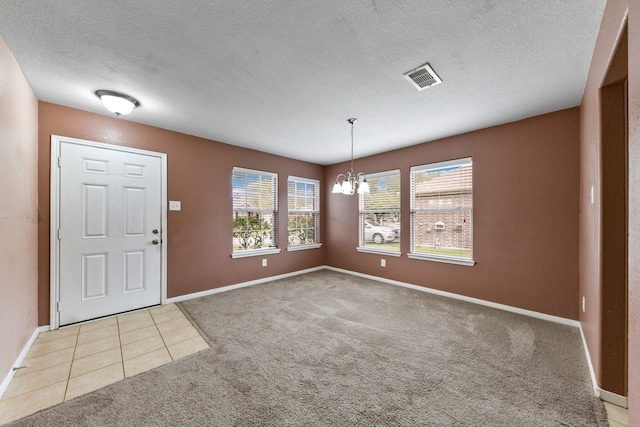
column 58, row 307
column 59, row 234
column 59, row 161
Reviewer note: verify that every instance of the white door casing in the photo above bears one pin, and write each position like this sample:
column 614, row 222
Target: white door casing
column 108, row 230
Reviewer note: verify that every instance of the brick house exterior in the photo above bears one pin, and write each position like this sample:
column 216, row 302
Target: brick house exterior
column 443, row 210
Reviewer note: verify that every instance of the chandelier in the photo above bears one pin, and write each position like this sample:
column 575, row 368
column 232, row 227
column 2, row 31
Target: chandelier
column 347, row 184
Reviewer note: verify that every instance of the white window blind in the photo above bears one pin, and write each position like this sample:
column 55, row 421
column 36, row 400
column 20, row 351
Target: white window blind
column 380, row 213
column 255, row 205
column 442, row 211
column 303, row 203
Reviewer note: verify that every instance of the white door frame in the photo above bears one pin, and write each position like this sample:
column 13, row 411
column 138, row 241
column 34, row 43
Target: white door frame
column 54, row 220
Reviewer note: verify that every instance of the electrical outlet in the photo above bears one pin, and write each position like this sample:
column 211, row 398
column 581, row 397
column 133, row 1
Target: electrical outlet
column 264, row 262
column 584, row 304
column 383, row 262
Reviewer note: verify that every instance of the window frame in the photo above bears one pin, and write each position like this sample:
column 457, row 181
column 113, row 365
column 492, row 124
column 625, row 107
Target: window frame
column 460, row 260
column 362, row 213
column 315, row 212
column 273, row 248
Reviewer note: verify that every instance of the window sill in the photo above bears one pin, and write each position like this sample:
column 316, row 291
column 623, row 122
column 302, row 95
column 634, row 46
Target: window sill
column 255, row 252
column 303, row 247
column 445, row 259
column 388, row 252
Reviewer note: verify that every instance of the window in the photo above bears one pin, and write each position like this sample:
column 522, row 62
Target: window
column 255, row 209
column 442, row 212
column 380, row 214
column 303, row 203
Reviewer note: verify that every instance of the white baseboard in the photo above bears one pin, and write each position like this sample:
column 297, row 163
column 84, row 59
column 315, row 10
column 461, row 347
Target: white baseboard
column 605, row 395
column 592, row 372
column 504, row 307
column 616, row 399
column 478, row 301
column 240, row 285
column 20, row 358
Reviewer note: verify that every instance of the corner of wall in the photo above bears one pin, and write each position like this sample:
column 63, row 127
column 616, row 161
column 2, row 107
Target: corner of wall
column 18, row 212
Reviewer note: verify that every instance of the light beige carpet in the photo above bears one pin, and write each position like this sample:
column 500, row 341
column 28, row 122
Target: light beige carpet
column 328, row 349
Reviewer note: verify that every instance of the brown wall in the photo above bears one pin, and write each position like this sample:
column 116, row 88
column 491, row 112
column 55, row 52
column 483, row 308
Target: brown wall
column 634, row 214
column 199, row 175
column 525, row 239
column 18, row 211
column 603, row 223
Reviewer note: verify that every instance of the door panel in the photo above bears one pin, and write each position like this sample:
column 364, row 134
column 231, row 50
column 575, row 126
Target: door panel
column 94, row 211
column 94, row 276
column 110, row 205
column 134, row 211
column 133, row 271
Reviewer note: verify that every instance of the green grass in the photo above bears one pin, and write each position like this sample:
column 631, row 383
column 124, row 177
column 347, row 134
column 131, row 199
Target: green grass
column 395, row 246
column 457, row 252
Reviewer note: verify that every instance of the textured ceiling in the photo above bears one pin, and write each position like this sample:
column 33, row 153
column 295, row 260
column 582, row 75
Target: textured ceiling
column 284, row 76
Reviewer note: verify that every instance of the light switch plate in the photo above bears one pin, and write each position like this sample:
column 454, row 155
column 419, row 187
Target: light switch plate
column 174, row 205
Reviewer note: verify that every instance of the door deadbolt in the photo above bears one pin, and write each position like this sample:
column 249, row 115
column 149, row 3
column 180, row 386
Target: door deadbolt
column 155, row 231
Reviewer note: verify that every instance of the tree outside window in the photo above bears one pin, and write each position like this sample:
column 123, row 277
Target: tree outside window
column 303, row 202
column 254, row 209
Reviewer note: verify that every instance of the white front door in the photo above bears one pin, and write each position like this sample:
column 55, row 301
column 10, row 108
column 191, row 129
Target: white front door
column 110, row 237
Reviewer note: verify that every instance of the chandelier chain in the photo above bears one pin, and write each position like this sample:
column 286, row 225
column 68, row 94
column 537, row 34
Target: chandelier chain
column 351, row 121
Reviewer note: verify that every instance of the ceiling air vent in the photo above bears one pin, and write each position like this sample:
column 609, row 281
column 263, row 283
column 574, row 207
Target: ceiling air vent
column 423, row 77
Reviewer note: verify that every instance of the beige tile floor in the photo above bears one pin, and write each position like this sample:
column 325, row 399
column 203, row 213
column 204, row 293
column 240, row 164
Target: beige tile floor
column 616, row 415
column 75, row 360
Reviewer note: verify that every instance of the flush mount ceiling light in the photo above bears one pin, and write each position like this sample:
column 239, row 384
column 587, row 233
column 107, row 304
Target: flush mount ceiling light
column 117, row 102
column 347, row 184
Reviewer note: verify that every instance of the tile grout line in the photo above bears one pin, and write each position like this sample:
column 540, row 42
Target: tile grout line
column 4, row 398
column 73, row 358
column 124, row 374
column 173, row 330
column 191, row 325
column 41, row 369
column 161, row 337
column 89, row 355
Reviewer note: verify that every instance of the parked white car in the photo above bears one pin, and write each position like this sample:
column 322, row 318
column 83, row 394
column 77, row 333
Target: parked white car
column 374, row 232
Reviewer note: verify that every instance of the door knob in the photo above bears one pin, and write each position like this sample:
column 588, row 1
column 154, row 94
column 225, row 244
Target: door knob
column 155, row 241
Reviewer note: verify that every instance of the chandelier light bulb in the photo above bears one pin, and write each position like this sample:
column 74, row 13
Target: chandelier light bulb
column 346, row 187
column 363, row 187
